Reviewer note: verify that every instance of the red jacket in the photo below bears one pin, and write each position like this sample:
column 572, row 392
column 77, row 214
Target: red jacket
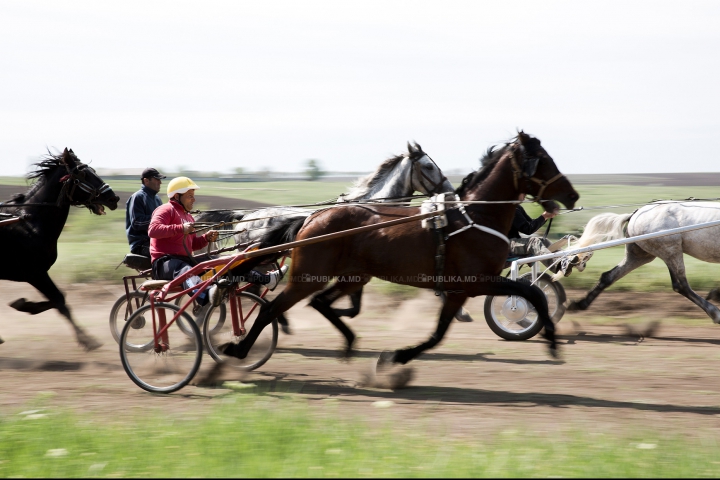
column 166, row 232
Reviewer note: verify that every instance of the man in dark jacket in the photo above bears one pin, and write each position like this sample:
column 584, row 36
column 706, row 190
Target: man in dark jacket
column 523, row 223
column 139, row 209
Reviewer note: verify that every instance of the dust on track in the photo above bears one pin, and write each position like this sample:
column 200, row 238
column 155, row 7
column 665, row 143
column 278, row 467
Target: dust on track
column 473, row 382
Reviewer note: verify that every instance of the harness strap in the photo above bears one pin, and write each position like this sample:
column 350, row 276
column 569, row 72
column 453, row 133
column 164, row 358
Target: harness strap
column 472, row 224
column 439, row 260
column 544, row 183
column 519, row 173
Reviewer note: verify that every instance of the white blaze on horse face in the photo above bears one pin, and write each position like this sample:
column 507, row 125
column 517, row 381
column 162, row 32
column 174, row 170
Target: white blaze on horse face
column 427, row 177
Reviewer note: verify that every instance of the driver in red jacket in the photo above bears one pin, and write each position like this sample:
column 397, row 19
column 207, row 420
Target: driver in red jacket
column 173, row 239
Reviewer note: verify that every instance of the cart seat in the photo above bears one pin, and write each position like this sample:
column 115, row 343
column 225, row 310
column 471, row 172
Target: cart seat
column 153, row 285
column 149, row 285
column 138, row 262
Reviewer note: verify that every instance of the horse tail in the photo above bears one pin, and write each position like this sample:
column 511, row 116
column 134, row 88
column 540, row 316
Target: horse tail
column 283, row 232
column 603, row 227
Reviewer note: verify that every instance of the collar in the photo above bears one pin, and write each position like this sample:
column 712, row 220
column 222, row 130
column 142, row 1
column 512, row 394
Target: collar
column 178, row 205
column 149, row 191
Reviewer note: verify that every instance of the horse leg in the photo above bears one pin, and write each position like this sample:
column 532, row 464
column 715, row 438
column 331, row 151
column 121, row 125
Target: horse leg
column 462, row 315
column 292, row 294
column 635, row 257
column 44, row 284
column 354, row 310
column 322, row 303
column 254, row 288
column 680, row 284
column 452, row 303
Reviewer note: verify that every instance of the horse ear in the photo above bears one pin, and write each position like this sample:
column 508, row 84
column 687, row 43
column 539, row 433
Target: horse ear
column 67, row 157
column 418, row 147
column 523, row 138
column 410, row 148
column 529, row 144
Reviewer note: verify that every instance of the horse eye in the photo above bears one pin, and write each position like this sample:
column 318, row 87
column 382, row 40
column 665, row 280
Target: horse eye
column 429, row 167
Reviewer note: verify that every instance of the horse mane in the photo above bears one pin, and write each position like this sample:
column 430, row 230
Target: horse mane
column 487, row 164
column 42, row 169
column 365, row 184
column 46, row 165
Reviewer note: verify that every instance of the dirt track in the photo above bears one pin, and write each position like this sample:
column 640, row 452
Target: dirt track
column 473, row 382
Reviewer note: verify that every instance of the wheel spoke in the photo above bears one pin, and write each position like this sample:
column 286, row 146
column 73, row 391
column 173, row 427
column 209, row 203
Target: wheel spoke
column 218, row 331
column 160, row 363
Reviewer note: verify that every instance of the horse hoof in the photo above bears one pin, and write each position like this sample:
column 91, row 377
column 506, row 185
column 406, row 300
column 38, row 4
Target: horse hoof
column 286, row 329
column 385, row 359
column 18, row 304
column 574, row 306
column 2, row 341
column 387, row 374
column 227, row 349
column 232, row 350
column 463, row 317
column 347, row 354
column 90, row 344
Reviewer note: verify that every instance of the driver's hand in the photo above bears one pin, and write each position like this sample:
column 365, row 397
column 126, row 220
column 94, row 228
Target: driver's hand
column 547, row 215
column 212, row 235
column 188, row 228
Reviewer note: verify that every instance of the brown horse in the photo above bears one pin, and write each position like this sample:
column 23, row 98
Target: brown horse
column 406, row 253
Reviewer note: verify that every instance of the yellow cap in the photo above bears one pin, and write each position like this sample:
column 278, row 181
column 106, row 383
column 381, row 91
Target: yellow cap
column 180, row 185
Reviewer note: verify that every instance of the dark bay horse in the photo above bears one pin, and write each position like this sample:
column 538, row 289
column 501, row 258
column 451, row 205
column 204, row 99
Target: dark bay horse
column 394, row 180
column 406, row 253
column 30, row 247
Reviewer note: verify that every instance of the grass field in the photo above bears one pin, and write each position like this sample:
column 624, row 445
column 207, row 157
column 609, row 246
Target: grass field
column 256, row 435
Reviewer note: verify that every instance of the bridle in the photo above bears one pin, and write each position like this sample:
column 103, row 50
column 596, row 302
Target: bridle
column 435, row 185
column 527, row 172
column 75, row 179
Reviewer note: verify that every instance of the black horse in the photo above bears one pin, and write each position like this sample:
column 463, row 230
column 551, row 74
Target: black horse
column 30, row 246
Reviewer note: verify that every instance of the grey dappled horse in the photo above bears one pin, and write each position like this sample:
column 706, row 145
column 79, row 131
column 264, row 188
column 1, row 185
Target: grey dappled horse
column 703, row 244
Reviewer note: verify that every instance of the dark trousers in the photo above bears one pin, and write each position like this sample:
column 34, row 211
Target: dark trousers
column 141, row 248
column 172, row 266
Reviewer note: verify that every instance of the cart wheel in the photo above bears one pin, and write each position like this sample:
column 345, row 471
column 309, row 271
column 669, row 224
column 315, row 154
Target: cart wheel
column 169, row 367
column 180, row 301
column 122, row 310
column 521, row 322
column 218, row 330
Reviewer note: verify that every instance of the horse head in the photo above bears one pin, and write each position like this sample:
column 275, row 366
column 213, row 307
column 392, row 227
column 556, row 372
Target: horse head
column 535, row 173
column 83, row 186
column 426, row 176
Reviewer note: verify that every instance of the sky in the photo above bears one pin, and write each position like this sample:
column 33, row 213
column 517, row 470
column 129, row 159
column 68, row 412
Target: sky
column 608, row 87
